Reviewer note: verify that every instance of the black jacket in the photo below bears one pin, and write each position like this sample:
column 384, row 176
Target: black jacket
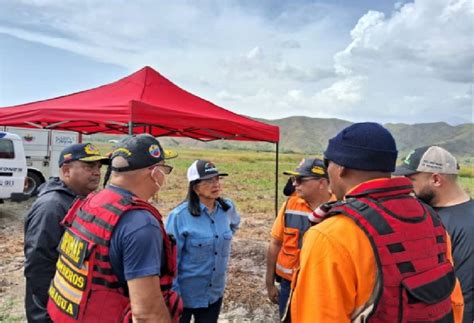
column 42, row 236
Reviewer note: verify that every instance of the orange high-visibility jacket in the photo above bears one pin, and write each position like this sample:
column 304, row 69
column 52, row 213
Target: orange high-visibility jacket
column 289, row 227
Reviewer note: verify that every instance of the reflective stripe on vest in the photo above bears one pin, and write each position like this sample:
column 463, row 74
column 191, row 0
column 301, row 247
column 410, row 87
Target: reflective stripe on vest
column 67, row 289
column 288, row 271
column 408, row 242
column 84, row 253
column 296, row 223
column 297, row 220
column 77, row 277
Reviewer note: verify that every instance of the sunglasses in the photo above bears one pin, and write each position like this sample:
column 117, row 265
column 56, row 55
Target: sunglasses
column 167, row 169
column 326, row 162
column 298, row 180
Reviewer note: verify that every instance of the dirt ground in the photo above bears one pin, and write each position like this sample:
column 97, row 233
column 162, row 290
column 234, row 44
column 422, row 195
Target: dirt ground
column 245, row 297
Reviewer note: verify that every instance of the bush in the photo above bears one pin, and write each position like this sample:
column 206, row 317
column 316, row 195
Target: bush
column 466, row 171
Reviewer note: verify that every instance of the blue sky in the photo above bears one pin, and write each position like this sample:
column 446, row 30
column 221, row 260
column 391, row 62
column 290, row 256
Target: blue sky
column 380, row 60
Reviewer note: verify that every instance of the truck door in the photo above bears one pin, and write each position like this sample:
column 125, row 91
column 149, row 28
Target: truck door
column 59, row 141
column 12, row 167
column 36, row 143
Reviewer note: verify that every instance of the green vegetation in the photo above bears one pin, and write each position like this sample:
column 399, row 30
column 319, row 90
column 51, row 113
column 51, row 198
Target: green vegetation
column 466, row 178
column 7, row 306
column 466, row 171
column 251, row 180
column 468, row 184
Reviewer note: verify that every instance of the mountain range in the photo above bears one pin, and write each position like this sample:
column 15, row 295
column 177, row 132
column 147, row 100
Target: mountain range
column 311, row 135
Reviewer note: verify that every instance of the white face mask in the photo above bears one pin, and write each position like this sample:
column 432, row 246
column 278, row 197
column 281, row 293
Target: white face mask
column 156, row 181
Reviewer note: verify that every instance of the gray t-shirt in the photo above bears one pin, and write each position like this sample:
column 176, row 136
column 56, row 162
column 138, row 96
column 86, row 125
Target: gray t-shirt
column 459, row 222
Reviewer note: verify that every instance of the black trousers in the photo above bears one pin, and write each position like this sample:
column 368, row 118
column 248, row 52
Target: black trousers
column 208, row 314
column 36, row 298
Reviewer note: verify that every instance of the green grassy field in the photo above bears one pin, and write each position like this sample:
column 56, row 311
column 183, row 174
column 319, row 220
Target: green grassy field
column 251, row 181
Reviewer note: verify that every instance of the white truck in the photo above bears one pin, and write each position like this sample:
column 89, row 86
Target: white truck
column 42, row 149
column 12, row 168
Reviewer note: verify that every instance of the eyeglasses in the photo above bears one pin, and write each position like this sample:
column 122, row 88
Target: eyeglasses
column 166, row 168
column 298, row 180
column 211, row 180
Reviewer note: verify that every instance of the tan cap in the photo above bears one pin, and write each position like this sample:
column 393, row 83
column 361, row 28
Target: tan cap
column 429, row 159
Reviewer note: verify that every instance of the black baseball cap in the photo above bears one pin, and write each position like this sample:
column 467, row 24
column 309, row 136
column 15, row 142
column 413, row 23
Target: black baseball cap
column 203, row 169
column 85, row 152
column 428, row 159
column 312, row 167
column 140, row 151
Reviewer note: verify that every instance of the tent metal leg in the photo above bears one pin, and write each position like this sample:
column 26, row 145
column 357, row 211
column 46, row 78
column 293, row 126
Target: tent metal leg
column 276, row 178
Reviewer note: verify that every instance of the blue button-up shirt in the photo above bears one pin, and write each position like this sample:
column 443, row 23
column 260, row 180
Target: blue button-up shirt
column 203, row 244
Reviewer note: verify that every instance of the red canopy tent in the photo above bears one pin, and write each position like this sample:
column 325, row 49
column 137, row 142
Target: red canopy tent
column 143, row 102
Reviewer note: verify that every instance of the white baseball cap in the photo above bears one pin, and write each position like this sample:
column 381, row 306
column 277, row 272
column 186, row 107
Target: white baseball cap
column 203, row 169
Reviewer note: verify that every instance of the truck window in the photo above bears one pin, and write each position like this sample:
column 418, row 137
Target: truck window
column 6, row 149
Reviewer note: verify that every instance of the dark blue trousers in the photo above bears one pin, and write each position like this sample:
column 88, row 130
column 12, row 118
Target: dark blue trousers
column 208, row 314
column 285, row 288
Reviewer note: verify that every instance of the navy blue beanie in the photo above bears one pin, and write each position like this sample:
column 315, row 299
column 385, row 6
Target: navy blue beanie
column 363, row 146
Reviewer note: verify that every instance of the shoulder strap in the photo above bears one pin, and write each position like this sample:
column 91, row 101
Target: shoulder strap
column 71, row 213
column 375, row 219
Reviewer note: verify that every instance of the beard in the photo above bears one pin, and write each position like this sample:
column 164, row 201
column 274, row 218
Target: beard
column 426, row 195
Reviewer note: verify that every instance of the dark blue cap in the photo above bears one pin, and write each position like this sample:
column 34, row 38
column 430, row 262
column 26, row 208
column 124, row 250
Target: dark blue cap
column 84, row 152
column 363, row 146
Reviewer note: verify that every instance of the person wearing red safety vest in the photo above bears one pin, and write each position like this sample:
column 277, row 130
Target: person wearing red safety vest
column 311, row 189
column 379, row 255
column 116, row 261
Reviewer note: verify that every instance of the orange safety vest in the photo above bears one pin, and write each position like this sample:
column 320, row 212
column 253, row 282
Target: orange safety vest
column 295, row 224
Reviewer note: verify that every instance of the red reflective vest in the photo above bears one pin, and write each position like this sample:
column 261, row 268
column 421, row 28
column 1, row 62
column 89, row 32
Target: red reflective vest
column 415, row 280
column 84, row 288
column 295, row 224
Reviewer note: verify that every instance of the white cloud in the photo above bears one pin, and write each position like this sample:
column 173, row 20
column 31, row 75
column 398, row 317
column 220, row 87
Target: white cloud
column 255, row 54
column 276, row 59
column 226, row 96
column 97, row 52
column 342, row 59
column 295, row 95
column 413, row 61
column 432, row 38
column 346, row 91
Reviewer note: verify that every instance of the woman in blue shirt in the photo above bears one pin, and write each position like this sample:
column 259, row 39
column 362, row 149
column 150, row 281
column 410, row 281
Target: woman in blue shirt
column 203, row 227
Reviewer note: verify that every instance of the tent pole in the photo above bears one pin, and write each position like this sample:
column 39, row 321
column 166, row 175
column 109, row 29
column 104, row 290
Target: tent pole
column 276, row 179
column 130, row 128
